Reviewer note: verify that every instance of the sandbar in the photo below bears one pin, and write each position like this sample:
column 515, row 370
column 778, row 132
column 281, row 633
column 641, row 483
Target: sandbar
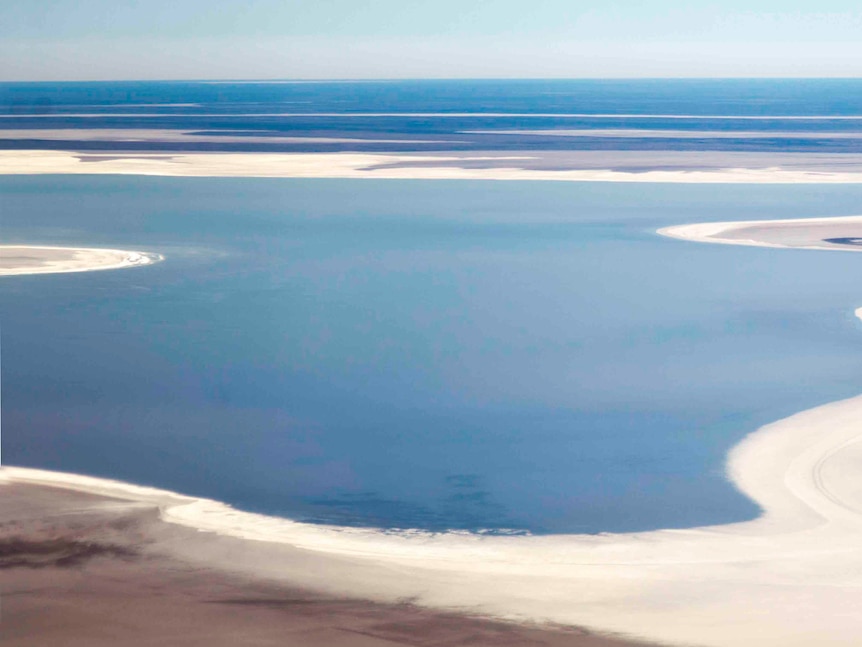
column 579, row 166
column 843, row 233
column 32, row 259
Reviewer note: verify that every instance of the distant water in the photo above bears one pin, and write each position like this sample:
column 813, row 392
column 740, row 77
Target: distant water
column 473, row 355
column 444, row 115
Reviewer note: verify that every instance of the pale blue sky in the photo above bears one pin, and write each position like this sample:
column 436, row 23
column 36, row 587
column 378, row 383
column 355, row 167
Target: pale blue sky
column 225, row 39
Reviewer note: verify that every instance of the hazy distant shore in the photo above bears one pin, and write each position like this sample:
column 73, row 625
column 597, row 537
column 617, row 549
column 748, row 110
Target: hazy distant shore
column 31, row 259
column 579, row 166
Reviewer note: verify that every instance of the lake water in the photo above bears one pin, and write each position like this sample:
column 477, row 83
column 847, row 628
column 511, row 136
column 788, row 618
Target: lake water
column 428, row 354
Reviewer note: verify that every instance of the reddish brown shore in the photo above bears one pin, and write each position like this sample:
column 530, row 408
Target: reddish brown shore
column 82, row 570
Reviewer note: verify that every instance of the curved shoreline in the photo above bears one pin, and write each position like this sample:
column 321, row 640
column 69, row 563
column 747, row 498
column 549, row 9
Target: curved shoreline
column 21, row 260
column 796, row 233
column 791, row 577
column 688, row 586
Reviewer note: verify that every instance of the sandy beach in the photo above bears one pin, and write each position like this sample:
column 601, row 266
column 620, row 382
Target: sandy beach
column 83, row 570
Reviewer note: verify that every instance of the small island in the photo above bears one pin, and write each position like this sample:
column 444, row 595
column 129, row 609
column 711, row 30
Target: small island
column 26, row 259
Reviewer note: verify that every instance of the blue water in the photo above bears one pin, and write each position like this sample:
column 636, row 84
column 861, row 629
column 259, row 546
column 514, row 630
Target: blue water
column 779, row 97
column 526, row 356
column 474, row 355
column 442, row 115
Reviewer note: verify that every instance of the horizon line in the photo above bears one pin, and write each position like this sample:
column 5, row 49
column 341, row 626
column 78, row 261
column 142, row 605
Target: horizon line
column 310, row 80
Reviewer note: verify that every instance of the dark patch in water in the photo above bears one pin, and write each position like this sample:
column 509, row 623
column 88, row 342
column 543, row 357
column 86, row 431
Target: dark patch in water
column 844, row 241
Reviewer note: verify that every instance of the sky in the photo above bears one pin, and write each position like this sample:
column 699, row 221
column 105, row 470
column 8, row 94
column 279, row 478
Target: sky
column 51, row 40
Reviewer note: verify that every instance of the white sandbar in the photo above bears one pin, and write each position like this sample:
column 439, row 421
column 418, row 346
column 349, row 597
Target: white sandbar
column 29, row 259
column 392, row 166
column 798, row 233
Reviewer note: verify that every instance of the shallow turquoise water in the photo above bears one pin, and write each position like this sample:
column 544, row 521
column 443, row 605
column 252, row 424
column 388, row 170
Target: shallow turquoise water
column 421, row 354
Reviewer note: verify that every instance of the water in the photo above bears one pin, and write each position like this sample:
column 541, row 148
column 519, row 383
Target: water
column 762, row 97
column 470, row 355
column 438, row 355
column 434, row 116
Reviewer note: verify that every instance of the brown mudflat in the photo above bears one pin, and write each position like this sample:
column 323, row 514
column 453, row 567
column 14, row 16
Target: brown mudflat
column 81, row 570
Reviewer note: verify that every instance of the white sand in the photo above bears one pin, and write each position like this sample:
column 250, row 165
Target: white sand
column 28, row 259
column 805, row 233
column 384, row 166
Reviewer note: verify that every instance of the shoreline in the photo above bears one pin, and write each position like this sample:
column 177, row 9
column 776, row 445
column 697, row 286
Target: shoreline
column 23, row 260
column 839, row 233
column 87, row 571
column 706, row 578
column 419, row 166
column 791, row 577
